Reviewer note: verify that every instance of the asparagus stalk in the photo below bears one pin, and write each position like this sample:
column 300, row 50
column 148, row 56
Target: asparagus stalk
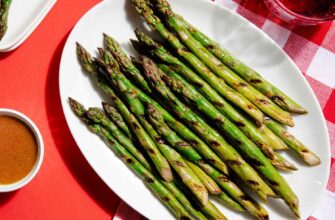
column 179, row 194
column 157, row 158
column 125, row 63
column 218, row 83
column 244, row 71
column 144, row 139
column 173, row 188
column 224, row 199
column 4, row 8
column 213, row 212
column 116, row 118
column 181, row 86
column 227, row 152
column 200, row 146
column 309, row 157
column 99, row 117
column 153, row 184
column 223, row 181
column 210, row 184
column 237, row 83
column 174, row 158
column 260, row 135
column 209, row 209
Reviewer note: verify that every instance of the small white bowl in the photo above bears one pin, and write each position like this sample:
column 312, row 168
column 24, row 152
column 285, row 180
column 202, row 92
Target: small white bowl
column 40, row 146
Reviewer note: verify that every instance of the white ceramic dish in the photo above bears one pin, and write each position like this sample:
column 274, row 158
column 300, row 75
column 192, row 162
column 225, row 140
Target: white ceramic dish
column 118, row 18
column 40, row 146
column 23, row 18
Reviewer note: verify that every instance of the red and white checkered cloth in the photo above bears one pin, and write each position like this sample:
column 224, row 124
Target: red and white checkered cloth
column 313, row 50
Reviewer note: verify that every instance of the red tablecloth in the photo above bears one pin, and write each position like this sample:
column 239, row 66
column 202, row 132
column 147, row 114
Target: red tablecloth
column 66, row 187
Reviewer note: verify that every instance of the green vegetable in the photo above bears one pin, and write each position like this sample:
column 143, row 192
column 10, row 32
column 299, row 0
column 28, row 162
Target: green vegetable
column 244, row 71
column 115, row 117
column 153, row 184
column 191, row 95
column 124, row 62
column 250, row 150
column 223, row 181
column 213, row 138
column 174, row 158
column 217, row 83
column 260, row 135
column 210, row 184
column 237, row 83
column 203, row 149
column 100, row 118
column 291, row 141
column 144, row 139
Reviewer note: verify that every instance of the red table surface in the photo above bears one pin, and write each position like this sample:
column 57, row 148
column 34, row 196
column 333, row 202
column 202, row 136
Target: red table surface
column 66, row 187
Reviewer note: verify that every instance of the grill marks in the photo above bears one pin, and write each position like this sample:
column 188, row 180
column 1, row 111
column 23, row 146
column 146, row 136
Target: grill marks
column 165, row 199
column 178, row 163
column 277, row 98
column 219, row 121
column 210, row 47
column 239, row 124
column 255, row 81
column 262, row 101
column 151, row 151
column 192, row 142
column 182, row 144
column 242, row 84
column 252, row 182
column 129, row 161
column 214, row 143
column 234, row 162
column 255, row 162
column 198, row 84
column 148, row 179
column 273, row 183
column 223, row 178
column 135, row 125
column 218, row 104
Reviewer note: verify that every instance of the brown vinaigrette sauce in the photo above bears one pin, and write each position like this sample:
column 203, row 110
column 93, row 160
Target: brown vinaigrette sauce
column 18, row 150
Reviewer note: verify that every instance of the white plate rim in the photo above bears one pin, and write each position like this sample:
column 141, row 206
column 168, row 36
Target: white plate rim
column 302, row 78
column 18, row 40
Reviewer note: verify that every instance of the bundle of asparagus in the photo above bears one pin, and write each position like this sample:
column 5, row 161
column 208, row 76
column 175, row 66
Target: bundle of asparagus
column 189, row 124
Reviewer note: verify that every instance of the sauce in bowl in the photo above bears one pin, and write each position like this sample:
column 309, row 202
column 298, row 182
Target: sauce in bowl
column 18, row 150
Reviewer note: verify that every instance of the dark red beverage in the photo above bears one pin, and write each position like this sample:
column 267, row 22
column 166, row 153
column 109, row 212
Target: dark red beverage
column 303, row 11
column 315, row 8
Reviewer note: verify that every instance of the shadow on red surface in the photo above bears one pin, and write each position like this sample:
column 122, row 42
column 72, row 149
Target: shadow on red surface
column 66, row 145
column 5, row 197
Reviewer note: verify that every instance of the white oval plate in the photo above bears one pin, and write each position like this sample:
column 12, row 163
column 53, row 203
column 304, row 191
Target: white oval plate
column 24, row 16
column 118, row 19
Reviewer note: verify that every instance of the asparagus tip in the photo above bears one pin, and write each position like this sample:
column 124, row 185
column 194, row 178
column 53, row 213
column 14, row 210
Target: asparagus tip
column 101, row 51
column 137, row 45
column 107, row 107
column 77, row 107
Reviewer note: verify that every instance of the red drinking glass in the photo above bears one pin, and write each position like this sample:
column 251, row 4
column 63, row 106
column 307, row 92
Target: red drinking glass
column 303, row 12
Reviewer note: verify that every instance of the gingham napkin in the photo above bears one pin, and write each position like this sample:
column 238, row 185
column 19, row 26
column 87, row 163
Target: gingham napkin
column 313, row 50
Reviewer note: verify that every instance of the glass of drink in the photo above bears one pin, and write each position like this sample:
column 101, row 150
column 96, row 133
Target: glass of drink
column 303, row 12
